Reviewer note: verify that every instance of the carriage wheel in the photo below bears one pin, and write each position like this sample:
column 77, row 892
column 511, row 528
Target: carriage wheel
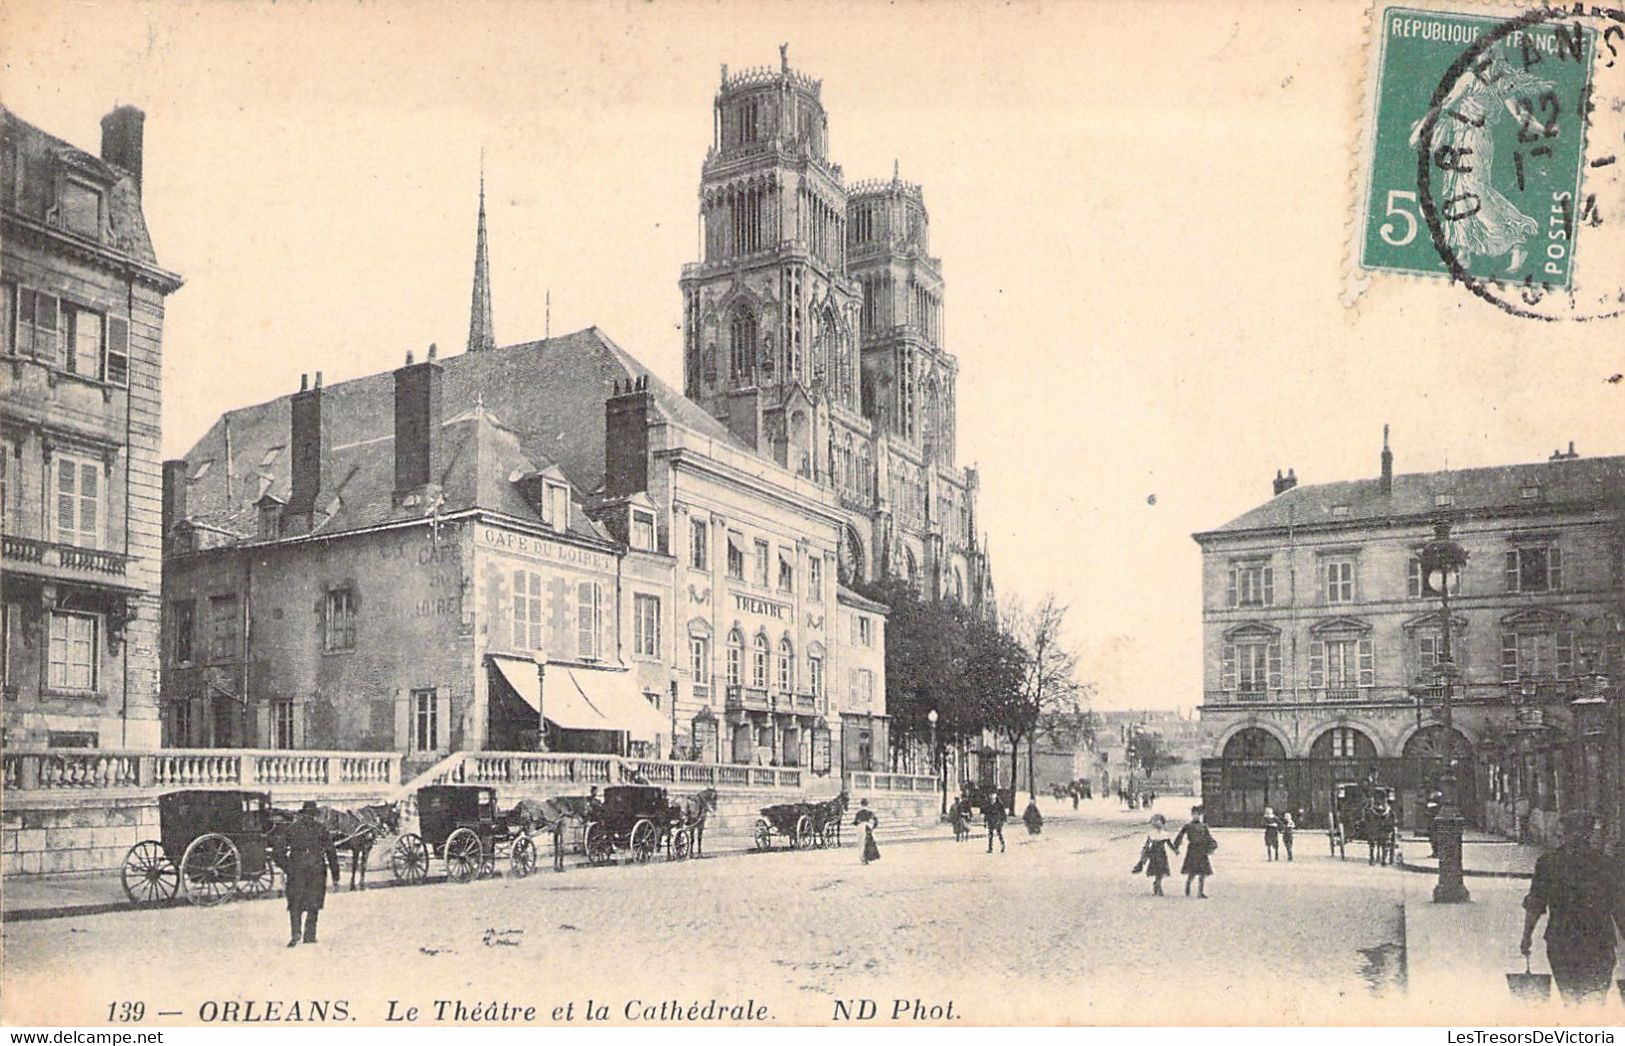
column 829, row 835
column 644, row 840
column 209, row 870
column 599, row 846
column 149, row 876
column 764, row 834
column 682, row 844
column 409, row 859
column 258, row 885
column 523, row 858
column 464, row 856
column 801, row 837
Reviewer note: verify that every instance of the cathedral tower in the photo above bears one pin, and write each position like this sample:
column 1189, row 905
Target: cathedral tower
column 769, row 314
column 908, row 378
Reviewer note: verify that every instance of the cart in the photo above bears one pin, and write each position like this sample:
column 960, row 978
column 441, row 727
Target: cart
column 212, row 846
column 638, row 820
column 1368, row 813
column 802, row 825
column 460, row 824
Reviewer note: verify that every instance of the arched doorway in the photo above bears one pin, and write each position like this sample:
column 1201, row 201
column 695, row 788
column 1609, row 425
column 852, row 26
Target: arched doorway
column 1254, row 743
column 1423, row 753
column 1343, row 742
column 1253, row 776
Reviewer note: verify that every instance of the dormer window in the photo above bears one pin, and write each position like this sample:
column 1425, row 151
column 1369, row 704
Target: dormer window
column 556, row 506
column 1443, row 500
column 1529, row 494
column 81, row 208
column 642, row 530
column 1340, row 510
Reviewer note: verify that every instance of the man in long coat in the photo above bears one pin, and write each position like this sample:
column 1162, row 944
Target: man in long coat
column 302, row 851
column 1581, row 891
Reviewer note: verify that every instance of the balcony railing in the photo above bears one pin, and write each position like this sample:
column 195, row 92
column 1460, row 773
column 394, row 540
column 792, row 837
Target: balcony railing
column 54, row 558
column 867, row 781
column 748, row 697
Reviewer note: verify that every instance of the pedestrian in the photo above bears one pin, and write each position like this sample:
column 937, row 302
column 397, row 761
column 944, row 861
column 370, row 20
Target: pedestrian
column 301, row 851
column 993, row 813
column 1272, row 835
column 1031, row 817
column 1199, row 848
column 1581, row 891
column 867, row 820
column 1075, row 790
column 1288, row 826
column 960, row 813
column 1154, row 854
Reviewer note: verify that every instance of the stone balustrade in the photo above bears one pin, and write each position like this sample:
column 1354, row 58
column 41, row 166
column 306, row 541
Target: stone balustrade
column 868, row 781
column 100, row 769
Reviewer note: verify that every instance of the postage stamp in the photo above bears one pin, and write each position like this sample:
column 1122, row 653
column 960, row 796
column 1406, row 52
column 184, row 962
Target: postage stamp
column 1490, row 155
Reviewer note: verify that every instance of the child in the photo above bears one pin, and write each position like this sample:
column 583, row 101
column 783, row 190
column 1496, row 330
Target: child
column 1154, row 854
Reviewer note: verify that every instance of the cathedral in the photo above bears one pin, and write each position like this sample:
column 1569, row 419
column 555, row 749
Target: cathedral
column 812, row 329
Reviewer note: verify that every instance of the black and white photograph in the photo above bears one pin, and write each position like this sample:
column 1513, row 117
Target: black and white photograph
column 706, row 513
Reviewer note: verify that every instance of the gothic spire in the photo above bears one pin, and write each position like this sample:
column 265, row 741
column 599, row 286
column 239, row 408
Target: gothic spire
column 481, row 334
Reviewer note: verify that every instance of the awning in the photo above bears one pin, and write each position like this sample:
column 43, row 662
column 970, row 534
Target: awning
column 617, row 698
column 523, row 677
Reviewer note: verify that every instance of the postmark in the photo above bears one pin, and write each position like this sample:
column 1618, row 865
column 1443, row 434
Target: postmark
column 1494, row 157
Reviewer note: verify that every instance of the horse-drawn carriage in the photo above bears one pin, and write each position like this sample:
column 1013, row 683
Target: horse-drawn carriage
column 638, row 820
column 1364, row 812
column 462, row 826
column 212, row 846
column 802, row 825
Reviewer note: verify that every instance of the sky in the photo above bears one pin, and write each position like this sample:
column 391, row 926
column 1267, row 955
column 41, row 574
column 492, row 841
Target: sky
column 1141, row 210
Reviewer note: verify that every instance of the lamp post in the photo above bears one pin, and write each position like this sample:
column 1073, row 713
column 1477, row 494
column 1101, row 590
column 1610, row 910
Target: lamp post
column 1442, row 560
column 936, row 754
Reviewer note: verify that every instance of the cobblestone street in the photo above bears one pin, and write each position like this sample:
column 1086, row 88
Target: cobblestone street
column 1053, row 929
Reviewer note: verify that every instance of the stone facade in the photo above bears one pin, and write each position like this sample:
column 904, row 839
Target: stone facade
column 813, row 328
column 1321, row 637
column 81, row 331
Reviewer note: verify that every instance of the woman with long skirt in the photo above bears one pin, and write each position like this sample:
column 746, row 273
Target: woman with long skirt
column 1154, row 854
column 867, row 820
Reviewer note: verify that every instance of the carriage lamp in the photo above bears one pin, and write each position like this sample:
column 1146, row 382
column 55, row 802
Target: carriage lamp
column 1441, row 561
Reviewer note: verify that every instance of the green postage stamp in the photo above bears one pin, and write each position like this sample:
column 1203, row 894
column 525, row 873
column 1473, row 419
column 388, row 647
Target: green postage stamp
column 1475, row 152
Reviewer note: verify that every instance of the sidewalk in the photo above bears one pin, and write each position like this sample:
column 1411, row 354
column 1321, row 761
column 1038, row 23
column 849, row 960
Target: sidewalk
column 1482, row 856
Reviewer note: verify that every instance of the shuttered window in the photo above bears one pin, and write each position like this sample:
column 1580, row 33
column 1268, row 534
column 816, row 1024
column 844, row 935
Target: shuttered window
column 78, row 501
column 117, row 370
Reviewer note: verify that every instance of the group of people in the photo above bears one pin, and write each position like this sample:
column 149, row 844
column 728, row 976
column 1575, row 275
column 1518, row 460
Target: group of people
column 1199, row 843
column 1134, row 799
column 1278, row 832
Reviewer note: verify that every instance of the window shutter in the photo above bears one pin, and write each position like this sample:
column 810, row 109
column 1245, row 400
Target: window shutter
column 117, row 367
column 1554, row 574
column 1269, row 586
column 48, row 341
column 1368, row 667
column 1231, row 594
column 27, row 309
column 1227, row 670
column 1322, row 582
column 1317, row 664
column 442, row 720
column 1275, row 665
column 1512, row 571
column 1509, row 657
column 262, row 725
column 302, row 712
column 1564, row 642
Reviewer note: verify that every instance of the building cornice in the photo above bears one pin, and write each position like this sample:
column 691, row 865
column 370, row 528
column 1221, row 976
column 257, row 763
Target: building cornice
column 116, row 261
column 1398, row 522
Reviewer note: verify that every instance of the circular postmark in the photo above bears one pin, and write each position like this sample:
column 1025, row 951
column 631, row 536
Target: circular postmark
column 1520, row 165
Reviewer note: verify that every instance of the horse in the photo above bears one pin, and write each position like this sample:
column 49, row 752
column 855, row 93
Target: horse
column 691, row 811
column 552, row 815
column 1379, row 827
column 358, row 830
column 830, row 811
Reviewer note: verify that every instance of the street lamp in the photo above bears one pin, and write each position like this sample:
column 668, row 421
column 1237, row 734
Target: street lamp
column 936, row 753
column 1442, row 560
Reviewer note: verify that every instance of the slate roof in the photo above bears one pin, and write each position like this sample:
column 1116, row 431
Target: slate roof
column 509, row 410
column 41, row 153
column 1568, row 483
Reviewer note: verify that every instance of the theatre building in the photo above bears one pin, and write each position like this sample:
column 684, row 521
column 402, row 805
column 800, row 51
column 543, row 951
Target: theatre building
column 1321, row 641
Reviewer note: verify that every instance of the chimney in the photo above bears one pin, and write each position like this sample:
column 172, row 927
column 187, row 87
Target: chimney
column 1558, row 455
column 176, row 472
column 307, row 456
column 121, row 139
column 1387, row 464
column 626, row 438
column 745, row 415
column 1286, row 482
column 417, row 425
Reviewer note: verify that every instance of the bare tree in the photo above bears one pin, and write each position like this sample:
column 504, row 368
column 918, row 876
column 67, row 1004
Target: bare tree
column 1049, row 688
